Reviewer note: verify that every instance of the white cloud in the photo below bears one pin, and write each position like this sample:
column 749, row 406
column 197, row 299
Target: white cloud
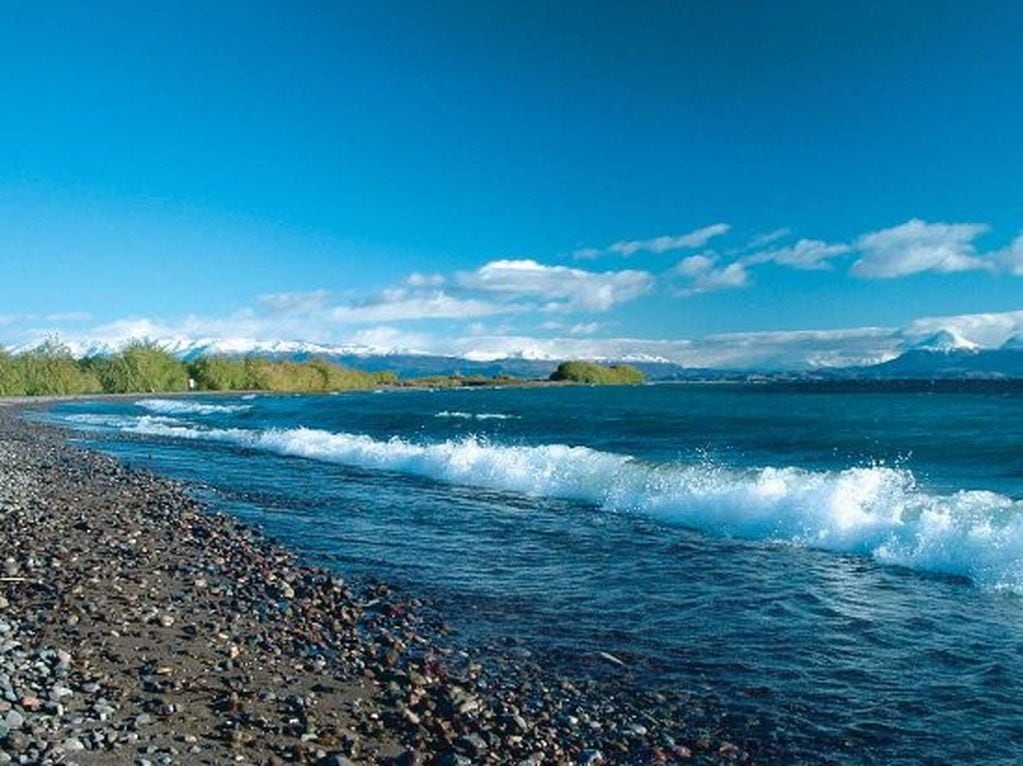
column 1010, row 258
column 805, row 254
column 387, row 338
column 762, row 351
column 587, row 253
column 391, row 305
column 918, row 246
column 416, row 279
column 989, row 330
column 69, row 316
column 807, row 349
column 763, row 240
column 704, row 275
column 560, row 288
column 404, row 305
column 298, row 301
column 667, row 243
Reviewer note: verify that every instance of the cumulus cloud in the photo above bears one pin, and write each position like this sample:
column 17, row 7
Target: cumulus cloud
column 705, row 275
column 918, row 246
column 559, row 288
column 391, row 305
column 805, row 254
column 385, row 337
column 403, row 304
column 1010, row 259
column 667, row 243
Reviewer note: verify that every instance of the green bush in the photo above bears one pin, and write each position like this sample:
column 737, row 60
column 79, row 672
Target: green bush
column 10, row 380
column 141, row 366
column 50, row 370
column 220, row 373
column 144, row 367
column 598, row 374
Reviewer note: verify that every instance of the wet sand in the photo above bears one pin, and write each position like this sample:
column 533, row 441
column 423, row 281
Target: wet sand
column 138, row 627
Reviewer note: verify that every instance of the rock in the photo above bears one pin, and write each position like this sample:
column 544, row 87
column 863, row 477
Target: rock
column 451, row 758
column 472, row 745
column 71, row 745
column 337, row 759
column 591, row 758
column 14, row 720
column 409, row 758
column 729, row 752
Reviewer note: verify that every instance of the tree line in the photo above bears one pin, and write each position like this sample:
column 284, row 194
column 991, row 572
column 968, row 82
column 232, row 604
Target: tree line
column 143, row 367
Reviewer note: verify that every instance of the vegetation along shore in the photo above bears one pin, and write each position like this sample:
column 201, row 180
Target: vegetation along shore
column 143, row 367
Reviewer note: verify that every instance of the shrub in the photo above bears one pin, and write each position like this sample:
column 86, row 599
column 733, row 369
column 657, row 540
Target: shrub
column 262, row 374
column 50, row 370
column 140, row 366
column 220, row 373
column 10, row 380
column 598, row 374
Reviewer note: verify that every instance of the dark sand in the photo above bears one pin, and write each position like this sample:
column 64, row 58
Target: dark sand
column 136, row 627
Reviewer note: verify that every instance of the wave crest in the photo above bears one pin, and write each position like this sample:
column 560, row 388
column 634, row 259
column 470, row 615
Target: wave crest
column 875, row 511
column 189, row 407
column 476, row 415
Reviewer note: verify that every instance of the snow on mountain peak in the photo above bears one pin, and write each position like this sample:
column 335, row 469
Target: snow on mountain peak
column 943, row 341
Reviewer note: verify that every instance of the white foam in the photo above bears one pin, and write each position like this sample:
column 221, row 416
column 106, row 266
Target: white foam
column 121, row 422
column 189, row 407
column 874, row 511
column 476, row 415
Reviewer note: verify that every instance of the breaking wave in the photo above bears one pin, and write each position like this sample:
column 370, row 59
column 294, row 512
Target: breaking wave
column 875, row 511
column 477, row 415
column 188, row 407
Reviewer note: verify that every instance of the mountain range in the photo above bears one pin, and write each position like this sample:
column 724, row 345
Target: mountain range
column 943, row 354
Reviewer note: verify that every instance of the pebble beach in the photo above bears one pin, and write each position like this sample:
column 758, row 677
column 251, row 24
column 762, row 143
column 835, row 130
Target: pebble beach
column 138, row 627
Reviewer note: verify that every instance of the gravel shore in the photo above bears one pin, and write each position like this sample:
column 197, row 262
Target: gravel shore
column 136, row 627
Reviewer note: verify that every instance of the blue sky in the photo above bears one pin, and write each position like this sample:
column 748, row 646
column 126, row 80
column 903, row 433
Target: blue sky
column 428, row 174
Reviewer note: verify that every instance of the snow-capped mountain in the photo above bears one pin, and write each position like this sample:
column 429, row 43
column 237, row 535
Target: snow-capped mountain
column 946, row 341
column 1014, row 343
column 193, row 348
column 950, row 347
column 948, row 354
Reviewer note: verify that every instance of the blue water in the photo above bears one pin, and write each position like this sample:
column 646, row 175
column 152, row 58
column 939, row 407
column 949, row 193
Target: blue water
column 839, row 570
